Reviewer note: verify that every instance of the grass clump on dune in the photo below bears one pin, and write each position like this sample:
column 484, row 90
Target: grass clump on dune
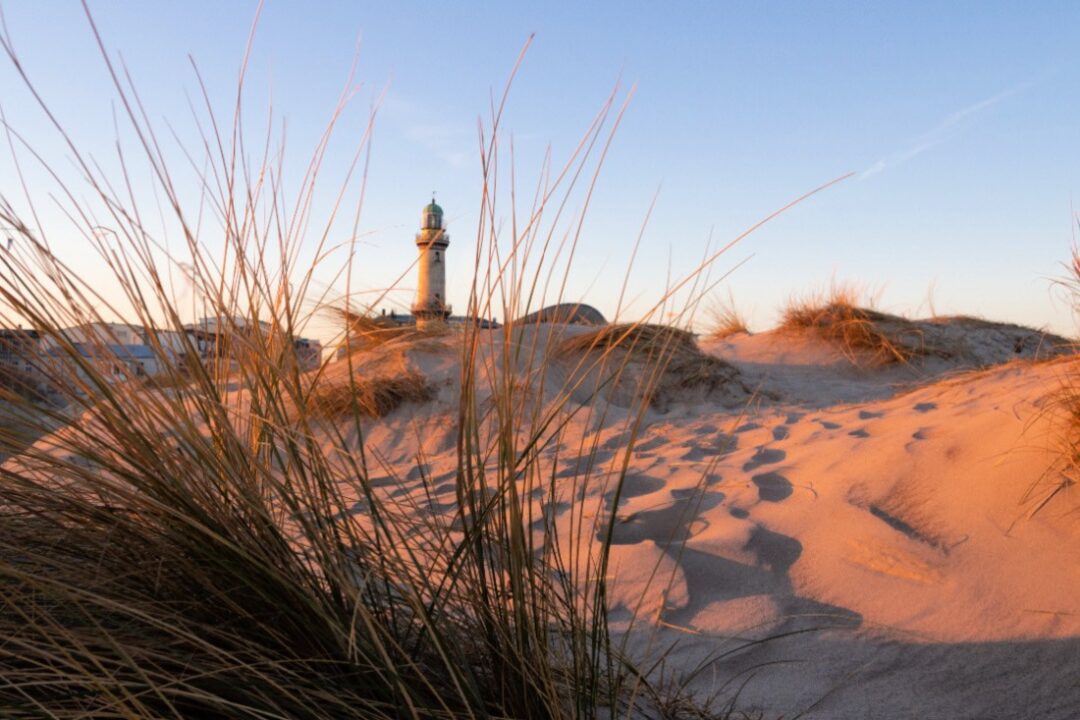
column 871, row 338
column 639, row 339
column 373, row 397
column 204, row 544
column 673, row 360
column 365, row 331
column 192, row 552
column 724, row 320
column 207, row 545
column 1064, row 406
column 865, row 336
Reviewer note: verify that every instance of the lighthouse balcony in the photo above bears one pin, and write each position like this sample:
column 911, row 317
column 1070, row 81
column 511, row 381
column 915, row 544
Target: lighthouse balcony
column 432, row 238
column 432, row 307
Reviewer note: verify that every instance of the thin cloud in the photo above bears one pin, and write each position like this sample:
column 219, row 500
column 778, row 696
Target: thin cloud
column 940, row 132
column 448, row 143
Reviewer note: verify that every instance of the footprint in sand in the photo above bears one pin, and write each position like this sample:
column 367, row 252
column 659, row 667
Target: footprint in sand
column 436, row 507
column 740, row 513
column 827, row 425
column 793, row 418
column 550, row 512
column 923, row 433
column 925, row 407
column 870, row 415
column 747, row 427
column 708, row 500
column 381, row 481
column 772, row 487
column 764, row 456
column 650, row 444
column 588, row 463
column 860, row 433
column 723, row 445
column 635, row 485
column 418, row 471
column 444, row 487
column 773, row 550
column 674, row 522
column 780, row 432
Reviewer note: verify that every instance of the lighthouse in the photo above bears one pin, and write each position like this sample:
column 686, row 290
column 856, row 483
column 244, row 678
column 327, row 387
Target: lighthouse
column 430, row 307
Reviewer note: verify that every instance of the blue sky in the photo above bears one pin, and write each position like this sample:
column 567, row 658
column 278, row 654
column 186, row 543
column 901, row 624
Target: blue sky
column 958, row 120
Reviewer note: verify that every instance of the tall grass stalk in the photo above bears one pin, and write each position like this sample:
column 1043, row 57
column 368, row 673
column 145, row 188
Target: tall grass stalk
column 211, row 541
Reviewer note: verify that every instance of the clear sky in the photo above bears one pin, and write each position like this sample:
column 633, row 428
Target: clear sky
column 958, row 120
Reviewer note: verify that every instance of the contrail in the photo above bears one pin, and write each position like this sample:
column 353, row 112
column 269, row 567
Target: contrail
column 940, row 132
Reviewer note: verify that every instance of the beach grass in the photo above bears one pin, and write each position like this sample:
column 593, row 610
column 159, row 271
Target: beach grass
column 866, row 336
column 724, row 320
column 219, row 540
column 209, row 542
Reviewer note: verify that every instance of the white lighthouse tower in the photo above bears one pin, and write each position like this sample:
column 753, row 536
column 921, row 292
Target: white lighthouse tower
column 430, row 306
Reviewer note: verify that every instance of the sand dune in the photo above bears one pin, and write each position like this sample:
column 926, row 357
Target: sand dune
column 876, row 523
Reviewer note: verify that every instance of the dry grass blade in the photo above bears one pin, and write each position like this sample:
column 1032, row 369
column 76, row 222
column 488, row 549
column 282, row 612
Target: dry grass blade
column 373, row 397
column 670, row 361
column 1064, row 474
column 640, row 339
column 724, row 320
column 364, row 331
column 212, row 542
column 865, row 336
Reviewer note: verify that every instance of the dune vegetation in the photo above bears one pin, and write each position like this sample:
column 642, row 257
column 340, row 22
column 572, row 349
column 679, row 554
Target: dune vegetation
column 209, row 542
column 723, row 320
column 433, row 525
column 866, row 336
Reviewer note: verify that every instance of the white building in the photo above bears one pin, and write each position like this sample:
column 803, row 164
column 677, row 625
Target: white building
column 105, row 333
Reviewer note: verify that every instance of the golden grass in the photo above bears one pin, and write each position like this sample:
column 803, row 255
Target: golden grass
column 1063, row 405
column 219, row 550
column 364, row 331
column 641, row 339
column 865, row 336
column 669, row 356
column 215, row 549
column 373, row 397
column 723, row 320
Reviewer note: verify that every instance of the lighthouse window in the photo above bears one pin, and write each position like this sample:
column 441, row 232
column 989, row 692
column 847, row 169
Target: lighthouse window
column 436, row 256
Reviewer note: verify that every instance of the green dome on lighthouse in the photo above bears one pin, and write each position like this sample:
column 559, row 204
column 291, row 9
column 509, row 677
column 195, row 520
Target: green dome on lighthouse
column 431, row 217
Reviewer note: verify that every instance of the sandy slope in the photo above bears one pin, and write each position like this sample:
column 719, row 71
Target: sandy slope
column 884, row 513
column 878, row 520
column 900, row 522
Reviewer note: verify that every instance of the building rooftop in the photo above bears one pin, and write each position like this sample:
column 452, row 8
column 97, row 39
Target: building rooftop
column 108, row 350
